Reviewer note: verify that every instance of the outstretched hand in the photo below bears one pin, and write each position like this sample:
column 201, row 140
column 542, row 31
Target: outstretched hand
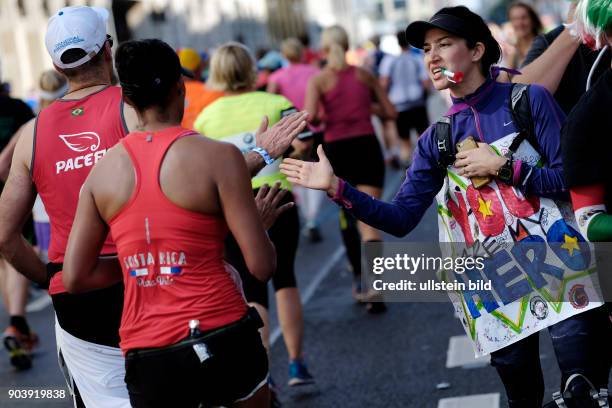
column 278, row 138
column 267, row 200
column 315, row 175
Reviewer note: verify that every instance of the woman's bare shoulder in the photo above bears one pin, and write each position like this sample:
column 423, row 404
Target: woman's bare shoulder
column 323, row 76
column 364, row 75
column 115, row 161
column 204, row 152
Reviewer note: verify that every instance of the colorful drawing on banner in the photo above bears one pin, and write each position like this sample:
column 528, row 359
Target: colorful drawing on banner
column 539, row 264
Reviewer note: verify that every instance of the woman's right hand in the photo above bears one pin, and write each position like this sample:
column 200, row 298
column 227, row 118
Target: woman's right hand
column 315, row 175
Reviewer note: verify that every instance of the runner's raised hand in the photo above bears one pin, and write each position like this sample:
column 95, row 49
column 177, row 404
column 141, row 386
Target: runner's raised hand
column 278, row 138
column 267, row 200
column 315, row 175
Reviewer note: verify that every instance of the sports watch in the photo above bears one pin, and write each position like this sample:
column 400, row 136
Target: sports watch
column 264, row 154
column 506, row 172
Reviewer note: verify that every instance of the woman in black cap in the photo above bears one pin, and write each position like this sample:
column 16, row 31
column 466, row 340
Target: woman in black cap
column 495, row 194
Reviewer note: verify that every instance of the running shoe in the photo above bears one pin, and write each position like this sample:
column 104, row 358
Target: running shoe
column 394, row 163
column 375, row 303
column 20, row 347
column 358, row 293
column 376, row 307
column 298, row 374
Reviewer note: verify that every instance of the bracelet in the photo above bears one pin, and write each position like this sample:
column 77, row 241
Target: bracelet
column 338, row 197
column 572, row 30
column 263, row 153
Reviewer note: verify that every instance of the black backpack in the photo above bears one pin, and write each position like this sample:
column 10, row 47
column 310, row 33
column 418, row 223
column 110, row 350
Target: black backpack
column 521, row 114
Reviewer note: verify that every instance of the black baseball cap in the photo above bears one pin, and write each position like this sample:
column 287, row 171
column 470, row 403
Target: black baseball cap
column 459, row 21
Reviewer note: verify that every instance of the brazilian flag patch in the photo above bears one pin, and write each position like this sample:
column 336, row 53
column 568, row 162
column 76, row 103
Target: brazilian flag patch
column 78, row 111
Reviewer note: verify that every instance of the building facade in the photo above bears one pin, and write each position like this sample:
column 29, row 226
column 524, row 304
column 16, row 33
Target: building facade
column 204, row 24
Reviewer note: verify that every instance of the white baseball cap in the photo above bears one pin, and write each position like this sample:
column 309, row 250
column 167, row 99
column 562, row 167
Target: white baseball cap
column 76, row 27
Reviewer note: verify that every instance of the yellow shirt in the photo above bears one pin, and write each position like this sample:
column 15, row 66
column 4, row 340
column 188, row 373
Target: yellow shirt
column 236, row 118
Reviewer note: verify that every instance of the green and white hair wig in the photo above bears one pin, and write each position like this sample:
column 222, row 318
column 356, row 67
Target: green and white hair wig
column 593, row 19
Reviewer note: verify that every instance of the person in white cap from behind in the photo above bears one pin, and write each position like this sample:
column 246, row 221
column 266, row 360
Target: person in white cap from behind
column 82, row 28
column 54, row 156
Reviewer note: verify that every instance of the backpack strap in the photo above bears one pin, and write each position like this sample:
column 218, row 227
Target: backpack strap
column 443, row 142
column 520, row 108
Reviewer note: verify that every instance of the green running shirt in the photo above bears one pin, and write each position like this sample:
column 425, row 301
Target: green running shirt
column 236, row 118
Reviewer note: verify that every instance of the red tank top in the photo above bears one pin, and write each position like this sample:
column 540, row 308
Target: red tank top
column 71, row 135
column 347, row 108
column 172, row 258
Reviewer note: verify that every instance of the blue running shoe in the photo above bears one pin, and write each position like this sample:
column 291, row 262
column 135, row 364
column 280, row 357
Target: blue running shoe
column 298, row 374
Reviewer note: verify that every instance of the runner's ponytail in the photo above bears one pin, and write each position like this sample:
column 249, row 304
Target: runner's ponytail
column 335, row 43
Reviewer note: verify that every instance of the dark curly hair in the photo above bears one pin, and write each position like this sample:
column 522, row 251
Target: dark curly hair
column 147, row 69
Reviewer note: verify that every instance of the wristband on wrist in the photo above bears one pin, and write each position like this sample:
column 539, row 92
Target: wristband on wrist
column 263, row 153
column 572, row 30
column 338, row 198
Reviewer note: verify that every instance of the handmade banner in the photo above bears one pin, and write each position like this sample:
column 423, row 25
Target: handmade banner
column 530, row 295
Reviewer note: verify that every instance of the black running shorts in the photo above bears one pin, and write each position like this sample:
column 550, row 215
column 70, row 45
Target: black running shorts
column 285, row 235
column 357, row 160
column 415, row 118
column 176, row 377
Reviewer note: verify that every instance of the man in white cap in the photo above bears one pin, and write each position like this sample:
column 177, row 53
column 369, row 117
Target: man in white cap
column 53, row 157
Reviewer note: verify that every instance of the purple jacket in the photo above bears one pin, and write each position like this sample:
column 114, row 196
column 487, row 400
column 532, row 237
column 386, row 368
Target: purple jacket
column 488, row 119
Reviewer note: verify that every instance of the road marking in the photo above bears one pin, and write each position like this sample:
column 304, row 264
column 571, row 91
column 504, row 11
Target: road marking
column 472, row 401
column 39, row 304
column 461, row 354
column 329, row 265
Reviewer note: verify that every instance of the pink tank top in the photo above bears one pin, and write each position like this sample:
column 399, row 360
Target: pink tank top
column 347, row 108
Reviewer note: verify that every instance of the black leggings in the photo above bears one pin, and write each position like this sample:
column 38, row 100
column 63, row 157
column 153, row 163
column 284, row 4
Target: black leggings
column 352, row 242
column 285, row 235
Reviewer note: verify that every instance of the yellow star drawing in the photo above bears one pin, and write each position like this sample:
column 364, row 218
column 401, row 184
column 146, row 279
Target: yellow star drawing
column 571, row 243
column 484, row 207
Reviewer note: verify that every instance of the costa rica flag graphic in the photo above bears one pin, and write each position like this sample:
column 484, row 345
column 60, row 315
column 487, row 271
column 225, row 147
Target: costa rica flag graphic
column 170, row 270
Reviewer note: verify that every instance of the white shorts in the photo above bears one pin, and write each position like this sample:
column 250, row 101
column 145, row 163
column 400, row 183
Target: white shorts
column 98, row 371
